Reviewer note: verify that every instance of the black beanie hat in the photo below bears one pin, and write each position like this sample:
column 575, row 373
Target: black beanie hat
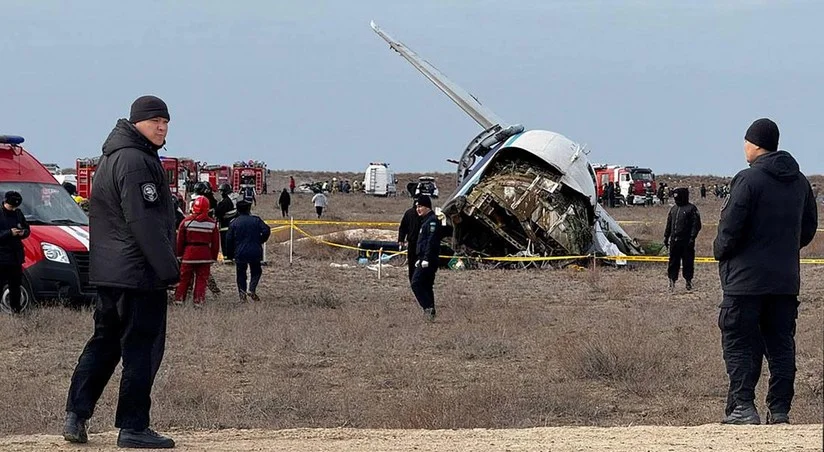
column 424, row 200
column 764, row 134
column 148, row 107
column 13, row 198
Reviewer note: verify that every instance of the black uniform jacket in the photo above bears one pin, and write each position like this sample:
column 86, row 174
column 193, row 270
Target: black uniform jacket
column 429, row 239
column 683, row 223
column 11, row 247
column 769, row 215
column 131, row 215
column 409, row 228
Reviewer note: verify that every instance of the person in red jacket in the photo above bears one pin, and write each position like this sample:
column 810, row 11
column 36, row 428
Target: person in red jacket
column 198, row 242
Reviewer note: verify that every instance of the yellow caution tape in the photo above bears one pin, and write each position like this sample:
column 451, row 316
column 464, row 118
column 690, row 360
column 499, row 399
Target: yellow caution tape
column 330, row 222
column 639, row 258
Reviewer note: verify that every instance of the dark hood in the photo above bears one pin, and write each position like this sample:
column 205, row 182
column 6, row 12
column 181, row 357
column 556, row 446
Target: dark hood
column 125, row 135
column 681, row 195
column 779, row 164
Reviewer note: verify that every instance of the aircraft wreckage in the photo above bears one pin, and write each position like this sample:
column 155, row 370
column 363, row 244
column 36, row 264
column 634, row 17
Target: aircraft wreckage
column 521, row 192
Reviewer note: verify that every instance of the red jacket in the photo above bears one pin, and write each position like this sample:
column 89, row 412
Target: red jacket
column 198, row 240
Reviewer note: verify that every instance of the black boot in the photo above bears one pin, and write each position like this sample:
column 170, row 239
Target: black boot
column 75, row 429
column 777, row 418
column 689, row 284
column 143, row 439
column 743, row 414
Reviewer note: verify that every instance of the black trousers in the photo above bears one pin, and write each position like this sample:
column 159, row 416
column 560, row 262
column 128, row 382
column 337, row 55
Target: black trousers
column 13, row 276
column 223, row 243
column 284, row 211
column 256, row 272
column 319, row 210
column 423, row 285
column 681, row 252
column 411, row 257
column 128, row 324
column 753, row 327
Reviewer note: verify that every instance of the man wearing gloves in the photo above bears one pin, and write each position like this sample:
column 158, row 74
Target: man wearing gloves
column 133, row 263
column 426, row 265
column 769, row 215
column 683, row 226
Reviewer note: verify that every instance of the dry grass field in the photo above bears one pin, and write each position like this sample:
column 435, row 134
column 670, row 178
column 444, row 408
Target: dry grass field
column 337, row 347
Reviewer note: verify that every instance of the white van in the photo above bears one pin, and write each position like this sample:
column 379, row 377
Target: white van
column 379, row 180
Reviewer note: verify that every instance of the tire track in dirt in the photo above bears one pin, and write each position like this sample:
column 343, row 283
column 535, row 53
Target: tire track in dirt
column 710, row 437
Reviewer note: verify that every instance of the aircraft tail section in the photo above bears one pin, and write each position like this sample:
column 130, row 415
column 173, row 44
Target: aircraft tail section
column 468, row 103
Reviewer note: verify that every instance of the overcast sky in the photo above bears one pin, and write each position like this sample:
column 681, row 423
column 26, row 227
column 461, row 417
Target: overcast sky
column 308, row 84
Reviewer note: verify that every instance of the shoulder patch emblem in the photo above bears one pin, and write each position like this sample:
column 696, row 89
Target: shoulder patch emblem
column 149, row 191
column 432, row 226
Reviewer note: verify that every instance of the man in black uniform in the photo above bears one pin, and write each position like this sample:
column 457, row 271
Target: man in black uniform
column 683, row 226
column 13, row 229
column 426, row 265
column 408, row 236
column 769, row 216
column 225, row 212
column 133, row 263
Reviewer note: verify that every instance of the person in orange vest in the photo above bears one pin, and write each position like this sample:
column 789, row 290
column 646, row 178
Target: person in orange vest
column 198, row 242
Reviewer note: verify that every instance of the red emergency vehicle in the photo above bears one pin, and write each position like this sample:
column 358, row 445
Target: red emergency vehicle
column 248, row 174
column 215, row 175
column 56, row 262
column 632, row 183
column 84, row 169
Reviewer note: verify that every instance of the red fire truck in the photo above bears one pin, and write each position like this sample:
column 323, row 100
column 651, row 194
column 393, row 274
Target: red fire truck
column 86, row 168
column 215, row 175
column 248, row 174
column 632, row 183
column 85, row 172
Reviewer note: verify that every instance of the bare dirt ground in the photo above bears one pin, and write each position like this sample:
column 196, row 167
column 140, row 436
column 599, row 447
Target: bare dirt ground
column 803, row 438
column 333, row 358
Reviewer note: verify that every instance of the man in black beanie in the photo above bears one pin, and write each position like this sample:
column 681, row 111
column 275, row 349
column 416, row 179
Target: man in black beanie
column 427, row 251
column 133, row 263
column 769, row 215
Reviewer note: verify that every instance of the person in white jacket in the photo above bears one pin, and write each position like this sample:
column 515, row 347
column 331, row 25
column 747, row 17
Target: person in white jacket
column 320, row 201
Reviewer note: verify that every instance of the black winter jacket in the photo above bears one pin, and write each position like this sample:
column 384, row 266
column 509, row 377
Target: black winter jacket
column 284, row 200
column 769, row 215
column 225, row 212
column 131, row 215
column 244, row 240
column 429, row 240
column 683, row 221
column 11, row 247
column 409, row 228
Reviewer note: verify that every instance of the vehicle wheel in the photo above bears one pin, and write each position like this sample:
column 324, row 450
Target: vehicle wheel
column 26, row 298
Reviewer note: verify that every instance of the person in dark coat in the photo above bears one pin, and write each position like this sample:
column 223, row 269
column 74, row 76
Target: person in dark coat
column 133, row 263
column 703, row 191
column 13, row 229
column 244, row 244
column 284, row 202
column 408, row 236
column 429, row 245
column 225, row 212
column 610, row 193
column 179, row 215
column 769, row 215
column 683, row 226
